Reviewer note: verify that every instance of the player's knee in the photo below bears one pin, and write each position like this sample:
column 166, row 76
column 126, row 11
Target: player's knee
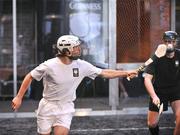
column 59, row 130
column 152, row 124
column 178, row 121
column 177, row 116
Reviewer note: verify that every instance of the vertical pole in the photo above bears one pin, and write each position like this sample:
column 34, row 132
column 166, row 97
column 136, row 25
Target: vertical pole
column 14, row 51
column 113, row 83
column 36, row 34
column 173, row 15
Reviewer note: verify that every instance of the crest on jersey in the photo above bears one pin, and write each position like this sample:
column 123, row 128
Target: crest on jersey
column 177, row 63
column 75, row 72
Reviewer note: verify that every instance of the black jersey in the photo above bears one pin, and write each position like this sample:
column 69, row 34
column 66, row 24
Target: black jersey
column 166, row 73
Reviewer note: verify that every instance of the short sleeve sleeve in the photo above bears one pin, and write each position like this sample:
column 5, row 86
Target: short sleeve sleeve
column 91, row 71
column 150, row 69
column 39, row 72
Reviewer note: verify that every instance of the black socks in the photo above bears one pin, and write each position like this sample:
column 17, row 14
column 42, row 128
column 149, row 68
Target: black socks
column 154, row 130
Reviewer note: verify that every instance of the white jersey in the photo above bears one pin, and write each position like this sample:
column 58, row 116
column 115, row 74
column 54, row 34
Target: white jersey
column 61, row 81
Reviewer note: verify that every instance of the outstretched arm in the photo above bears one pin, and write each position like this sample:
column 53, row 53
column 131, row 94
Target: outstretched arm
column 110, row 73
column 16, row 102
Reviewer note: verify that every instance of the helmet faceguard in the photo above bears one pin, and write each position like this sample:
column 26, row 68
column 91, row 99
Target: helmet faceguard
column 66, row 44
column 170, row 38
column 170, row 48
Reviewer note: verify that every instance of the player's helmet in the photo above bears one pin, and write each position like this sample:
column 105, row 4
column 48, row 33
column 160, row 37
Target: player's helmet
column 170, row 35
column 66, row 43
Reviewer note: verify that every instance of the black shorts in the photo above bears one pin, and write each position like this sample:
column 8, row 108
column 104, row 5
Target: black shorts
column 165, row 99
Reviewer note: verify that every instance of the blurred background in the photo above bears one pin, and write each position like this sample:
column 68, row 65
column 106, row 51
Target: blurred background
column 117, row 34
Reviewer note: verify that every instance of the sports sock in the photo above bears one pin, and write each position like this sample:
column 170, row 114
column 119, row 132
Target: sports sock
column 154, row 130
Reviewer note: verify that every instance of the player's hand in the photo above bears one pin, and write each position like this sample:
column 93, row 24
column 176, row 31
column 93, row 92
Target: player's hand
column 16, row 103
column 156, row 100
column 131, row 74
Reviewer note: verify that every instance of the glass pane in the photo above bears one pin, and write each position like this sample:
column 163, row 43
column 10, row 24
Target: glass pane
column 88, row 20
column 26, row 48
column 6, row 51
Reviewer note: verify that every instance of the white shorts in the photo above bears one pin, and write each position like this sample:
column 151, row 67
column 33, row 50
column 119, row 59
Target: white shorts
column 53, row 113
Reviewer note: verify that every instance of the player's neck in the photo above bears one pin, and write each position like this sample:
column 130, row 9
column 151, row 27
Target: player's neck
column 65, row 60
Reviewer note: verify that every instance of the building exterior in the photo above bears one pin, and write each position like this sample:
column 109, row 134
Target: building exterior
column 118, row 34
